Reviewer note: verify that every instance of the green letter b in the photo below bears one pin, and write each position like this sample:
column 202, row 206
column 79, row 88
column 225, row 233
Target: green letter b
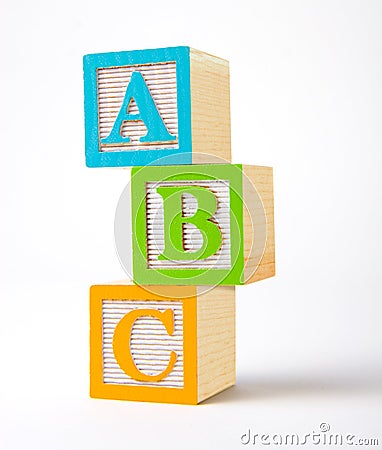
column 174, row 220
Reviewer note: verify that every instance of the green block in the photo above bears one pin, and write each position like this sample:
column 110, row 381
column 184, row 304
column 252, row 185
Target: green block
column 187, row 225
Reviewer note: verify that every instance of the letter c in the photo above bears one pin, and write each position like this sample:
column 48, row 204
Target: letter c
column 121, row 340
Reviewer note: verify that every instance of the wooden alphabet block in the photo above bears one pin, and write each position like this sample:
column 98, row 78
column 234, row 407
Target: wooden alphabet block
column 163, row 106
column 176, row 345
column 196, row 225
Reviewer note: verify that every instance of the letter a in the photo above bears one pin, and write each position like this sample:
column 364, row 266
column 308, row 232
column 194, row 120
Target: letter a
column 148, row 113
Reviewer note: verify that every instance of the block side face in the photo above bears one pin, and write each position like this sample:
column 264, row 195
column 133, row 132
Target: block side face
column 137, row 108
column 225, row 267
column 210, row 108
column 141, row 347
column 259, row 243
column 216, row 341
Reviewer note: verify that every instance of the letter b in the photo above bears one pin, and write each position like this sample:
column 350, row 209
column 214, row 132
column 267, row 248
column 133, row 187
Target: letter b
column 174, row 221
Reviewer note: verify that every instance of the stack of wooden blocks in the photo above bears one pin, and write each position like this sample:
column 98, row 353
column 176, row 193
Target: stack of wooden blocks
column 189, row 226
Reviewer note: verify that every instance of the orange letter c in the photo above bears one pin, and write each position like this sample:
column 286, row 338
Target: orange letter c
column 122, row 336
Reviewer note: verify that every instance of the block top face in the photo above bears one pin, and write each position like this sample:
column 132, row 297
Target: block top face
column 138, row 108
column 187, row 225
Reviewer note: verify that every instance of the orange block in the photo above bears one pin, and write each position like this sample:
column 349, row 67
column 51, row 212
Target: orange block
column 167, row 344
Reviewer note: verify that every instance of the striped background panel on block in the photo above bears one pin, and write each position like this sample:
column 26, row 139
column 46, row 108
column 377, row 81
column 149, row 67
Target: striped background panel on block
column 150, row 345
column 112, row 83
column 192, row 238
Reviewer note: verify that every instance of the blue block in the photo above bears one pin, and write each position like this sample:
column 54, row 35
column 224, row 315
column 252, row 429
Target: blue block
column 138, row 108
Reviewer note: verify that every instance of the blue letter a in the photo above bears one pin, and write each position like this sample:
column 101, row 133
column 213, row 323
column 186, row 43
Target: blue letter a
column 148, row 113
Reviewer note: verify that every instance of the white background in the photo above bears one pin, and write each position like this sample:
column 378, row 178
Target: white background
column 306, row 98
